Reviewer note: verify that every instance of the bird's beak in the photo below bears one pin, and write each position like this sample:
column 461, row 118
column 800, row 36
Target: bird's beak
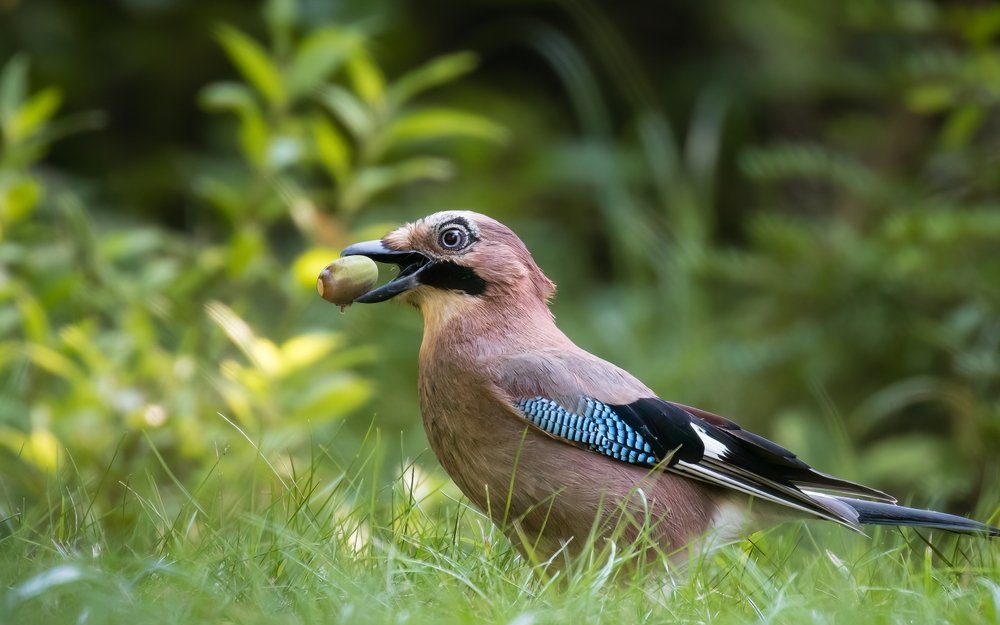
column 410, row 265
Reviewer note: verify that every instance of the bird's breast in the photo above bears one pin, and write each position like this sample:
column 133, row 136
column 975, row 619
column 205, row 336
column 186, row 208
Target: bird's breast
column 552, row 492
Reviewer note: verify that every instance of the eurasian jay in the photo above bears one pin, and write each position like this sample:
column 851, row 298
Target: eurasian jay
column 552, row 441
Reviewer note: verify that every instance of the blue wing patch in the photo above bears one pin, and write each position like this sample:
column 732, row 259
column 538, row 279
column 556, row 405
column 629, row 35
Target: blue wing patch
column 594, row 424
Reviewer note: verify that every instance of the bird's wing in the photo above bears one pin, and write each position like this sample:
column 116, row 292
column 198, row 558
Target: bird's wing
column 658, row 434
column 797, row 472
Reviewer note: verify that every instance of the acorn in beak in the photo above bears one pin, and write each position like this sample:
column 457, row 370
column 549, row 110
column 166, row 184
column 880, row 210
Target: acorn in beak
column 411, row 265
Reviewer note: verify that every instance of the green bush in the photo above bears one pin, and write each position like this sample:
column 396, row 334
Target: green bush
column 127, row 349
column 793, row 222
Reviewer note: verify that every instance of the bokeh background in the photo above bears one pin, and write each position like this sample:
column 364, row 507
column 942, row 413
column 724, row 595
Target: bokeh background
column 784, row 212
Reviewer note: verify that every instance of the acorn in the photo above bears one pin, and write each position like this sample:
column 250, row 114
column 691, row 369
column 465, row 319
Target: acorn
column 346, row 279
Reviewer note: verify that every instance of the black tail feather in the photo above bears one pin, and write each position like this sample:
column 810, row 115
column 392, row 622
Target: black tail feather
column 879, row 513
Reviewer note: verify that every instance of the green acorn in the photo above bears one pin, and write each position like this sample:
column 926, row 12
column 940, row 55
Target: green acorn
column 346, row 279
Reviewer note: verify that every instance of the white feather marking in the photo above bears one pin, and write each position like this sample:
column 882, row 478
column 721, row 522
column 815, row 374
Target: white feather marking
column 713, row 447
column 730, row 520
column 707, row 474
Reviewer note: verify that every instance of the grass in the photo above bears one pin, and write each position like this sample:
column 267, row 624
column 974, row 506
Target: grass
column 258, row 540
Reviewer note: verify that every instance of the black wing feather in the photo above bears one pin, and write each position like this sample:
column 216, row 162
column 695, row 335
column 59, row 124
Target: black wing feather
column 702, row 446
column 665, row 426
column 779, row 462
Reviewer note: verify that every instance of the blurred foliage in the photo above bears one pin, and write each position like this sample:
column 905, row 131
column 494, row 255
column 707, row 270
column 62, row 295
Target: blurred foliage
column 784, row 212
column 118, row 350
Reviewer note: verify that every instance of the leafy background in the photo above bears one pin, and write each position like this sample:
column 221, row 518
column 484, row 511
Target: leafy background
column 782, row 212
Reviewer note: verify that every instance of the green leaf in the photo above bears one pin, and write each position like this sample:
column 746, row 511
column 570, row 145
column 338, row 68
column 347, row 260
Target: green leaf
column 222, row 196
column 436, row 72
column 13, row 87
column 40, row 448
column 332, row 150
column 373, row 180
column 319, row 54
column 254, row 140
column 55, row 363
column 34, row 318
column 237, row 98
column 246, row 252
column 253, row 62
column 35, row 112
column 347, row 108
column 930, row 98
column 65, row 126
column 281, row 16
column 18, row 199
column 366, row 78
column 442, row 123
column 962, row 125
column 305, row 350
column 227, row 96
column 331, row 397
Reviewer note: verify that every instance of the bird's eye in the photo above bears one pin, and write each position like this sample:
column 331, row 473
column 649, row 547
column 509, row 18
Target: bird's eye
column 453, row 238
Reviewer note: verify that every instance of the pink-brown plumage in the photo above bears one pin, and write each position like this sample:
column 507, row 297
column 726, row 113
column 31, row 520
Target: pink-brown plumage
column 477, row 355
column 469, row 374
column 490, row 343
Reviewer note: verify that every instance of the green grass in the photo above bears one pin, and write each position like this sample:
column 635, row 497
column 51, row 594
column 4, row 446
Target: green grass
column 276, row 543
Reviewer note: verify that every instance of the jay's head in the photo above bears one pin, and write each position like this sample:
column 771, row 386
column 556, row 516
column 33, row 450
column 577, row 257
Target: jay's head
column 455, row 257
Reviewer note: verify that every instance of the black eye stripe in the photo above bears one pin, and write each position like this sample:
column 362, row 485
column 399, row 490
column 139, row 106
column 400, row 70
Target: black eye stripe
column 449, row 276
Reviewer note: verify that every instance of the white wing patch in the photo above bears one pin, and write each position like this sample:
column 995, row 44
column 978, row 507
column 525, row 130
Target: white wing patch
column 714, row 448
column 734, row 482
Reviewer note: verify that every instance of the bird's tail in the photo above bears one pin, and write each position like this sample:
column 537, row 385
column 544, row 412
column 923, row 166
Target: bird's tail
column 880, row 513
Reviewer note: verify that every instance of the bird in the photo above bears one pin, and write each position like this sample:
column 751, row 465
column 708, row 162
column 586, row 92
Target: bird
column 556, row 444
